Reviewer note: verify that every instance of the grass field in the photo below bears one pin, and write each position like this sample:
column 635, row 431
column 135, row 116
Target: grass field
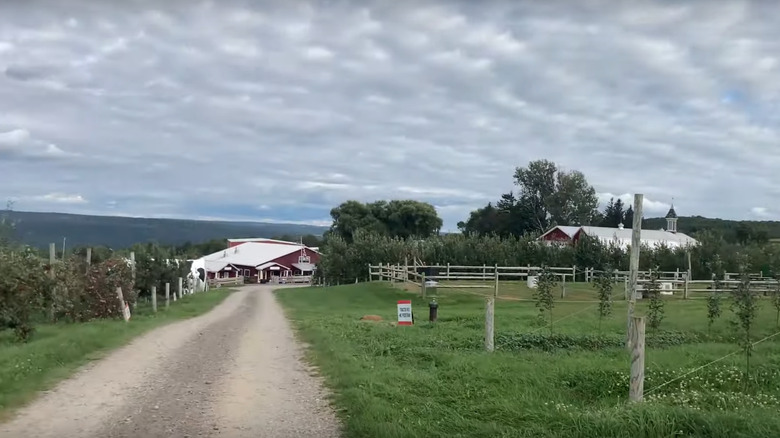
column 434, row 380
column 57, row 350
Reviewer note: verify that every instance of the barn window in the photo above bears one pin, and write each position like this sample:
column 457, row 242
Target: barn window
column 303, row 259
column 246, row 272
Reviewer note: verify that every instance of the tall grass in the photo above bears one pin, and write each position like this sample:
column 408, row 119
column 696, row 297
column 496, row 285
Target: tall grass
column 434, row 380
column 56, row 350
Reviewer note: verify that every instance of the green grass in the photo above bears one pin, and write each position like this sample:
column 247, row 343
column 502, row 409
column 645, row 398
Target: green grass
column 436, row 381
column 57, row 350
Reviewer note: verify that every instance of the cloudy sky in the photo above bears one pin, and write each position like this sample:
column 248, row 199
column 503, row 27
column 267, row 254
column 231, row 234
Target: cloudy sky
column 281, row 110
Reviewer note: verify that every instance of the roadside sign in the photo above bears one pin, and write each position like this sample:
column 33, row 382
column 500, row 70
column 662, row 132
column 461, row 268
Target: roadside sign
column 405, row 312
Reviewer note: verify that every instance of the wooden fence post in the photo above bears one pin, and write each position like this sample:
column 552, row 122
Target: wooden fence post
column 52, row 258
column 167, row 295
column 370, row 277
column 489, row 320
column 180, row 287
column 154, row 299
column 121, row 298
column 637, row 383
column 422, row 284
column 484, row 271
column 636, row 243
column 495, row 286
column 381, row 272
column 688, row 275
column 563, row 286
column 448, row 271
column 89, row 258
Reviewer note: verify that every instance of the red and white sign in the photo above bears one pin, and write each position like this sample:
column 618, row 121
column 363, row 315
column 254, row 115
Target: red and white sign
column 404, row 312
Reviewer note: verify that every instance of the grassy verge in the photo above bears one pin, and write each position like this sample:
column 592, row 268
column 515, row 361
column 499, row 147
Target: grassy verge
column 435, row 380
column 57, row 350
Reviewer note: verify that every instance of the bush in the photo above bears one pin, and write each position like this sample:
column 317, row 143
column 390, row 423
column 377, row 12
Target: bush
column 24, row 287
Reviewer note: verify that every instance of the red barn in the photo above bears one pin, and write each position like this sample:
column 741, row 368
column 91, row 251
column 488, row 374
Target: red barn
column 561, row 235
column 260, row 261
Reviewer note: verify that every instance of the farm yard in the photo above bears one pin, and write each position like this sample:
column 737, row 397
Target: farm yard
column 435, row 379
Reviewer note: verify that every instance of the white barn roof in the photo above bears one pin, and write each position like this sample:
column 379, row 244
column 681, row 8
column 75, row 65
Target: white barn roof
column 622, row 237
column 246, row 254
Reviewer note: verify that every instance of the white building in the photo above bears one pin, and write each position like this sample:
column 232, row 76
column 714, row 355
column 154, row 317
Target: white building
column 621, row 236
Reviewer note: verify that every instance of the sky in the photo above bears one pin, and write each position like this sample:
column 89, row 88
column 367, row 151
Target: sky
column 281, row 110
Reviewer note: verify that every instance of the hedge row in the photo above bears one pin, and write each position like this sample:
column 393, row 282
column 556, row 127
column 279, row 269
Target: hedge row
column 344, row 262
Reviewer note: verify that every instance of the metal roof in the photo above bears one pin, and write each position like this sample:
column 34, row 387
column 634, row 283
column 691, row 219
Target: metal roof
column 246, row 254
column 653, row 238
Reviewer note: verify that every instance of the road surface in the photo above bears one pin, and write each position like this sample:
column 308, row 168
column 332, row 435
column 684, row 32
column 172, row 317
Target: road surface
column 233, row 372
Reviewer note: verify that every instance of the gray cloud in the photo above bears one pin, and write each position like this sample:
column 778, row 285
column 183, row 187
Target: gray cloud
column 282, row 110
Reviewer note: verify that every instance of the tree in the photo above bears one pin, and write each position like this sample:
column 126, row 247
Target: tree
column 745, row 307
column 7, row 226
column 655, row 312
column 397, row 218
column 603, row 285
column 553, row 196
column 628, row 217
column 713, row 300
column 545, row 301
column 614, row 214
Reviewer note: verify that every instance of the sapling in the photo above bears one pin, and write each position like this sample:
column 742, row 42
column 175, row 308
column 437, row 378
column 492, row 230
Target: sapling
column 745, row 308
column 603, row 285
column 713, row 300
column 545, row 301
column 655, row 312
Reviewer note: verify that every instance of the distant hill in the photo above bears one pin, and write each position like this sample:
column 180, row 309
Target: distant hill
column 40, row 229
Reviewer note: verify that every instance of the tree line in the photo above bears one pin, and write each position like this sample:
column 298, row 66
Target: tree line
column 505, row 232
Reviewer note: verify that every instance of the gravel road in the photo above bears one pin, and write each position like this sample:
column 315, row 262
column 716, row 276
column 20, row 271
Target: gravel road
column 236, row 371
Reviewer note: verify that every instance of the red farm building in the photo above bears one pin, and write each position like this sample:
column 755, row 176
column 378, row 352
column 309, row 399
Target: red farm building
column 260, row 260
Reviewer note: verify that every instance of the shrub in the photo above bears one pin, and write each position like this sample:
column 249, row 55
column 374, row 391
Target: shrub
column 603, row 285
column 24, row 286
column 545, row 301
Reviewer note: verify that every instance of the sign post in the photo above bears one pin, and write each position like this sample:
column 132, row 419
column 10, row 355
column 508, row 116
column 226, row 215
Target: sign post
column 405, row 312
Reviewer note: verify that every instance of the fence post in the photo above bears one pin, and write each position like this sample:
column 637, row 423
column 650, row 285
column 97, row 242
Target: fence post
column 637, row 383
column 563, row 286
column 448, row 271
column 484, row 271
column 89, row 258
column 181, row 288
column 495, row 286
column 52, row 257
column 121, row 298
column 636, row 242
column 167, row 295
column 370, row 277
column 381, row 272
column 154, row 299
column 489, row 320
column 422, row 284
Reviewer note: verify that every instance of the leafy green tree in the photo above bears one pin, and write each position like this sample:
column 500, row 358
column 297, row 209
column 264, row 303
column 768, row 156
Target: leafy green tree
column 7, row 226
column 397, row 218
column 604, row 285
column 544, row 295
column 554, row 196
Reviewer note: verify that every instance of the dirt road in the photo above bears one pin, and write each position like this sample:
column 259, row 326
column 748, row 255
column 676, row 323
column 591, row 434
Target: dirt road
column 234, row 372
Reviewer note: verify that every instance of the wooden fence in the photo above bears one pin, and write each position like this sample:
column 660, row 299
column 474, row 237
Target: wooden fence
column 432, row 277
